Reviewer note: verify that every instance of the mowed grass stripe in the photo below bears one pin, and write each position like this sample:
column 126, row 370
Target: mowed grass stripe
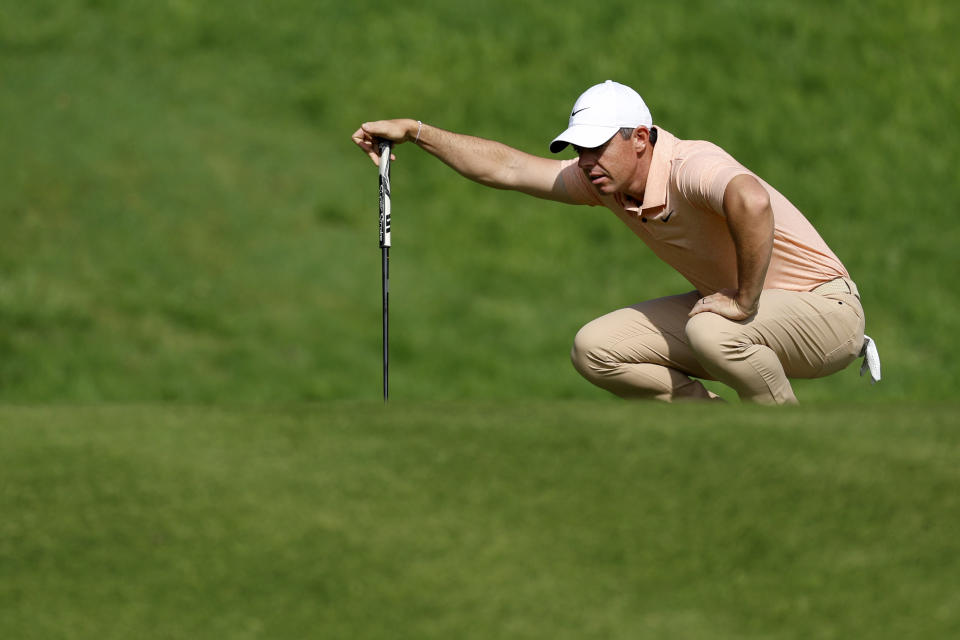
column 564, row 520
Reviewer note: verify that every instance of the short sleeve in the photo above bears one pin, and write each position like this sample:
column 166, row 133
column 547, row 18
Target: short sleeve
column 702, row 178
column 578, row 187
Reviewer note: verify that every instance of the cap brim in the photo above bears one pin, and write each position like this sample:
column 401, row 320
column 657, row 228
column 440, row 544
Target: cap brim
column 586, row 136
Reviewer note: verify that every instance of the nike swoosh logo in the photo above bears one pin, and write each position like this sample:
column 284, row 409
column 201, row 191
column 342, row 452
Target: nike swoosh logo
column 578, row 111
column 666, row 218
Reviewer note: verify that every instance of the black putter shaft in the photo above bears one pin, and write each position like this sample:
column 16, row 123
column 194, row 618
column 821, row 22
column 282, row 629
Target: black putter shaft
column 385, row 148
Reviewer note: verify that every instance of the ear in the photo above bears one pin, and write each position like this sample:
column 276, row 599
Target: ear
column 641, row 140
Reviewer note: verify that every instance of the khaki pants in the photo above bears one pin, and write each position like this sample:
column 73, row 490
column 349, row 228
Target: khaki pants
column 653, row 350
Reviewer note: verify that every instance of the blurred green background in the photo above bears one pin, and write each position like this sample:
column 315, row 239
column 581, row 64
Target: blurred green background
column 191, row 439
column 184, row 218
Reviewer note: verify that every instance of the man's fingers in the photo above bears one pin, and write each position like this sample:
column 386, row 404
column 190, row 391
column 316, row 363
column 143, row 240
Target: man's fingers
column 379, row 129
column 365, row 141
column 702, row 307
column 369, row 135
column 722, row 306
column 699, row 307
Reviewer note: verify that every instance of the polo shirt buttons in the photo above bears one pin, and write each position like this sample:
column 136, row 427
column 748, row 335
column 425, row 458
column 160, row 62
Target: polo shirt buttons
column 643, row 219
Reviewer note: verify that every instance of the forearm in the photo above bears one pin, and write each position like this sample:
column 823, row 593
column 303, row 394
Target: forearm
column 754, row 248
column 750, row 219
column 488, row 162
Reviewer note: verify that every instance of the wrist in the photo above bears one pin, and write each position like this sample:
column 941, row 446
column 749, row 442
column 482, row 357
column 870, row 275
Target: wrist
column 414, row 131
column 747, row 303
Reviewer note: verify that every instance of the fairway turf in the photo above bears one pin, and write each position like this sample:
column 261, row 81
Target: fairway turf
column 190, row 329
column 472, row 520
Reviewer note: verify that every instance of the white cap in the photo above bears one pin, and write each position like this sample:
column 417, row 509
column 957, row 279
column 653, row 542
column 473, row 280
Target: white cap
column 600, row 112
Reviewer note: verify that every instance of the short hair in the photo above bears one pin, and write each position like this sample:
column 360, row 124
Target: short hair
column 626, row 132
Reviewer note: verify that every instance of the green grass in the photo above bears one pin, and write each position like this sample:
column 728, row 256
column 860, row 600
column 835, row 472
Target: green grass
column 190, row 328
column 479, row 520
column 184, row 217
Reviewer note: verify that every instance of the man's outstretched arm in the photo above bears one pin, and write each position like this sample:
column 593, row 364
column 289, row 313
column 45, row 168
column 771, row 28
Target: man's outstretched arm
column 488, row 162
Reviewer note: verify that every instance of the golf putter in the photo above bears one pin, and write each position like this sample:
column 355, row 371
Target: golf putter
column 385, row 148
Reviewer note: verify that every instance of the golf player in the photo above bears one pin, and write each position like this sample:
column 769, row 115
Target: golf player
column 771, row 300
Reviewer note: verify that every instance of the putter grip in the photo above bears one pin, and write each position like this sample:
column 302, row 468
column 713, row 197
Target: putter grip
column 384, row 147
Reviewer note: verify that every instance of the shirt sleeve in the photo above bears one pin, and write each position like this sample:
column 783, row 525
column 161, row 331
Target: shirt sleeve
column 702, row 178
column 577, row 184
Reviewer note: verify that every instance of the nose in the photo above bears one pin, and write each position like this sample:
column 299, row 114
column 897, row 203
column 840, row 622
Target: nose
column 587, row 160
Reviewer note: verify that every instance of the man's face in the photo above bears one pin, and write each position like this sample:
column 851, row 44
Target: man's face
column 611, row 167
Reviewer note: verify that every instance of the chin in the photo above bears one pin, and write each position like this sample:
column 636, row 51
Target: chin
column 606, row 189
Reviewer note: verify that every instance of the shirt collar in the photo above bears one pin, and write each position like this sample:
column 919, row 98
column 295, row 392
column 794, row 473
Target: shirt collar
column 655, row 194
column 658, row 176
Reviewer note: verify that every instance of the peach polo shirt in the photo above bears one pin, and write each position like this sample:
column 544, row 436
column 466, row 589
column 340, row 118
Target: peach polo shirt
column 682, row 220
